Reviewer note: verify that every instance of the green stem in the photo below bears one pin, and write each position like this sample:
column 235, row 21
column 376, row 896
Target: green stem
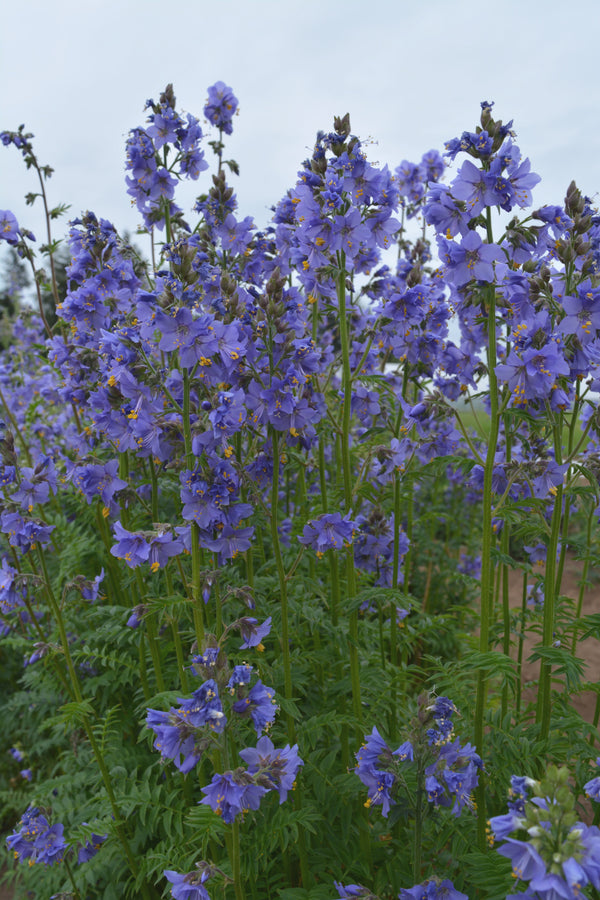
column 196, row 593
column 418, row 837
column 520, row 648
column 505, row 612
column 544, row 707
column 154, row 482
column 584, row 579
column 347, row 481
column 177, row 638
column 283, row 595
column 235, row 862
column 76, row 894
column 487, row 569
column 151, row 635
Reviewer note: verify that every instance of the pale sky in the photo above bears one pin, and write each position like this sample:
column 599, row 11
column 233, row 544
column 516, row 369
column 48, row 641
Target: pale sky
column 411, row 75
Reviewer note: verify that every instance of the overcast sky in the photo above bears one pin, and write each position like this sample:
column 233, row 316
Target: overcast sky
column 411, row 75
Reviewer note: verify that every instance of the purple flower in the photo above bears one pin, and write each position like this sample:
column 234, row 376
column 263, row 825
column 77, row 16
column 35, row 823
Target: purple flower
column 410, row 180
column 131, row 547
column 229, row 542
column 206, row 660
column 99, row 480
column 91, row 589
column 191, row 885
column 452, row 778
column 50, row 845
column 252, row 632
column 470, row 259
column 233, row 793
column 350, row 891
column 10, row 596
column 441, row 711
column 329, row 532
column 9, row 227
column 179, row 732
column 136, row 616
column 531, row 373
column 221, row 106
column 434, row 889
column 240, row 675
column 591, row 788
column 31, row 825
column 405, row 751
column 162, row 548
column 526, row 861
column 260, row 705
column 373, row 758
column 91, row 847
column 277, row 768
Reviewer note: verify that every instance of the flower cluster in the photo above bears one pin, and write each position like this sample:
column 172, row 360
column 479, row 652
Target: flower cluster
column 433, row 889
column 151, row 182
column 450, row 769
column 183, row 734
column 39, row 842
column 234, row 792
column 36, row 840
column 556, row 855
column 190, row 886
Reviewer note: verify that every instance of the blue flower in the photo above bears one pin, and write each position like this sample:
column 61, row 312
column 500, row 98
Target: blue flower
column 232, row 794
column 91, row 847
column 260, row 705
column 9, row 227
column 191, row 885
column 252, row 632
column 329, row 532
column 276, row 768
column 434, row 889
column 221, row 106
column 592, row 787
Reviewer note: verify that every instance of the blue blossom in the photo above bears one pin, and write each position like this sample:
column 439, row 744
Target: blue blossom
column 190, row 886
column 180, row 733
column 374, row 762
column 351, row 891
column 240, row 675
column 232, row 793
column 276, row 769
column 260, row 705
column 434, row 889
column 37, row 840
column 328, row 532
column 91, row 847
column 592, row 787
column 470, row 259
column 252, row 632
column 9, row 227
column 453, row 776
column 221, row 106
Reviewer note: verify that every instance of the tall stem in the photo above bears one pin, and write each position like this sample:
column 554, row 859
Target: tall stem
column 285, row 641
column 347, row 481
column 487, row 568
column 196, row 592
column 544, row 707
